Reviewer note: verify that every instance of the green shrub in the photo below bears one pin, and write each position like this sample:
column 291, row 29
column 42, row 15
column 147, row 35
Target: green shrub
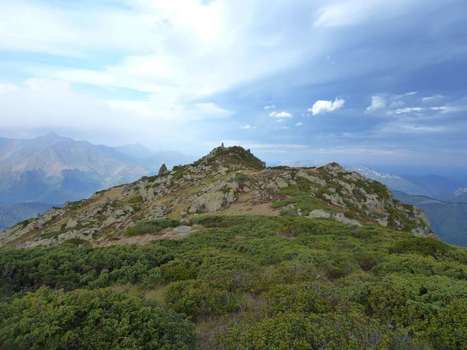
column 152, row 227
column 448, row 329
column 420, row 265
column 296, row 298
column 264, row 283
column 92, row 320
column 71, row 267
column 297, row 331
column 423, row 246
column 197, row 298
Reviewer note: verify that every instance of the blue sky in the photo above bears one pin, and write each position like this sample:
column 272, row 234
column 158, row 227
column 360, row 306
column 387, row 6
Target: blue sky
column 356, row 81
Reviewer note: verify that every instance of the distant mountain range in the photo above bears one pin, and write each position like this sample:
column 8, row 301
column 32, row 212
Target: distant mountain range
column 11, row 214
column 54, row 169
column 426, row 185
column 443, row 200
column 448, row 219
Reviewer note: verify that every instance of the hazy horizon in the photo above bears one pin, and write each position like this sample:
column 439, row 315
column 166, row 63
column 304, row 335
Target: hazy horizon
column 458, row 173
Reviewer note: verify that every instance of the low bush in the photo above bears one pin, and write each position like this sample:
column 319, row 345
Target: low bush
column 198, row 298
column 151, row 227
column 291, row 330
column 84, row 319
column 255, row 282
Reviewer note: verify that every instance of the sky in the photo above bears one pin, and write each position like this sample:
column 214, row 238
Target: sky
column 371, row 82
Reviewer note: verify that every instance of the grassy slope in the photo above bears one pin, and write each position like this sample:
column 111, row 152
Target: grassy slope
column 250, row 283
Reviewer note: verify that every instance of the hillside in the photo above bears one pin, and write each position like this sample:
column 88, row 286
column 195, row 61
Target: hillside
column 226, row 253
column 230, row 181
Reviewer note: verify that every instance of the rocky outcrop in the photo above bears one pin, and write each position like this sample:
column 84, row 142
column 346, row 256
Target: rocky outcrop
column 227, row 176
column 163, row 170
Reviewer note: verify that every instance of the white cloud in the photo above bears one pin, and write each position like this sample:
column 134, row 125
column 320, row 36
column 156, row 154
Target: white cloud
column 432, row 99
column 441, row 109
column 409, row 104
column 342, row 13
column 298, row 124
column 6, row 88
column 407, row 110
column 280, row 114
column 189, row 47
column 405, row 128
column 175, row 52
column 269, row 107
column 56, row 105
column 377, row 103
column 325, row 106
column 247, row 127
column 450, row 108
column 48, row 103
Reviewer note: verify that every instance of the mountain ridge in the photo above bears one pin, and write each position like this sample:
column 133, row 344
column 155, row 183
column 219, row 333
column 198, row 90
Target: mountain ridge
column 229, row 180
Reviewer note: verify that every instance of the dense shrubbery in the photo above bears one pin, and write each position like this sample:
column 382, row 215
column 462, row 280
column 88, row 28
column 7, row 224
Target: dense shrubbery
column 290, row 330
column 72, row 267
column 247, row 283
column 153, row 227
column 93, row 320
column 198, row 298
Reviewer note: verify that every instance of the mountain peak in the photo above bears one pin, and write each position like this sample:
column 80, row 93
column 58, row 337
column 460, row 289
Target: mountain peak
column 51, row 135
column 235, row 157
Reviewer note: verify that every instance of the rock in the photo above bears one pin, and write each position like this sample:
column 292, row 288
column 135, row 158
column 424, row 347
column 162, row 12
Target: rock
column 281, row 183
column 182, row 230
column 314, row 179
column 109, row 221
column 346, row 186
column 319, row 214
column 345, row 220
column 323, row 214
column 334, row 199
column 72, row 223
column 163, row 170
column 333, row 168
column 208, row 202
column 383, row 221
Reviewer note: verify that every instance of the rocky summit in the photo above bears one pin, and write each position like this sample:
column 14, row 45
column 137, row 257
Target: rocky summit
column 227, row 181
